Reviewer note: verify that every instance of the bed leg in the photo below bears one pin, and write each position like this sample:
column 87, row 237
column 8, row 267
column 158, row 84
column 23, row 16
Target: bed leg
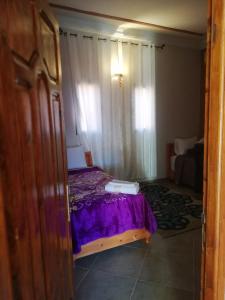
column 147, row 240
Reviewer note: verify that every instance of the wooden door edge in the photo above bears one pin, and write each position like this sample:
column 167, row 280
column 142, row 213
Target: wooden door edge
column 213, row 262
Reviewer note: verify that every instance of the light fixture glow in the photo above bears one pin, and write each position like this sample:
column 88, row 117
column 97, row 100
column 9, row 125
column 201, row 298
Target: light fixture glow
column 117, row 65
column 119, row 77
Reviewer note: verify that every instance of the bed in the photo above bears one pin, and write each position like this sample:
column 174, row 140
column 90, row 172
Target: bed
column 102, row 220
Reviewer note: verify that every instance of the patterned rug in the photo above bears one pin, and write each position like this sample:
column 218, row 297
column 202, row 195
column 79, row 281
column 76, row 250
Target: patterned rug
column 175, row 212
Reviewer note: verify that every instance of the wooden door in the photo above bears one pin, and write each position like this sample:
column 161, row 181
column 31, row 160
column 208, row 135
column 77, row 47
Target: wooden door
column 213, row 257
column 6, row 284
column 33, row 170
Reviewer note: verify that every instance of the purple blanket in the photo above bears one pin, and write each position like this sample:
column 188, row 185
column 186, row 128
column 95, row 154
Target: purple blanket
column 96, row 213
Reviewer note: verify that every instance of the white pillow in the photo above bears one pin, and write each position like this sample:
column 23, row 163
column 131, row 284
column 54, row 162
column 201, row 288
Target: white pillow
column 201, row 141
column 182, row 145
column 76, row 158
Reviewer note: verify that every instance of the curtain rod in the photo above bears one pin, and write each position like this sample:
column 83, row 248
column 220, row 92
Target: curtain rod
column 61, row 31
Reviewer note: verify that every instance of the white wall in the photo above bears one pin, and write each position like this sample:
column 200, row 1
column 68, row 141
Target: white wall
column 178, row 97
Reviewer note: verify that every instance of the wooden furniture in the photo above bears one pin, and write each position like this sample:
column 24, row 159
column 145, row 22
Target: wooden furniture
column 169, row 153
column 88, row 158
column 35, row 252
column 114, row 241
column 101, row 220
column 188, row 167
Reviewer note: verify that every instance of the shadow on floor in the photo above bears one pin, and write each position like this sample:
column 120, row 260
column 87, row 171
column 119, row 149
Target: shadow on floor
column 166, row 269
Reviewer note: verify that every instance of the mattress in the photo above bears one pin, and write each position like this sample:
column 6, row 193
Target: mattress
column 96, row 213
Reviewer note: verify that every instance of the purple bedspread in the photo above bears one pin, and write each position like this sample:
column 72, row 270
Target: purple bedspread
column 96, row 213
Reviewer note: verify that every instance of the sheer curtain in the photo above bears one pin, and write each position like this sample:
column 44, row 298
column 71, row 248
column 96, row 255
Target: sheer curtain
column 115, row 120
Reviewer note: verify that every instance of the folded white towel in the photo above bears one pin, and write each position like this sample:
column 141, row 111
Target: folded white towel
column 125, row 187
column 122, row 183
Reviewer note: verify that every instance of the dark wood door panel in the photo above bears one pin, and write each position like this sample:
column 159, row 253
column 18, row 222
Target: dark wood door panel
column 6, row 284
column 63, row 212
column 4, row 20
column 49, row 201
column 14, row 188
column 26, row 137
column 22, row 30
column 48, row 38
column 6, row 289
column 32, row 157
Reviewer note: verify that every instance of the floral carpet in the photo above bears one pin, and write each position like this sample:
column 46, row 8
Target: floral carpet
column 176, row 212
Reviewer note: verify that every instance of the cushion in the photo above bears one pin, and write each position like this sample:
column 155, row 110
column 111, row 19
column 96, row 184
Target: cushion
column 182, row 145
column 76, row 158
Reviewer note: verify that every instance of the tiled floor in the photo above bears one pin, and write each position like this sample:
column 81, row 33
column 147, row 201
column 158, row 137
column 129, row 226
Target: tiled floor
column 166, row 269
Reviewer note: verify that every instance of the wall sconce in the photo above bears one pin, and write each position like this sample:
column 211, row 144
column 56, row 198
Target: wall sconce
column 119, row 76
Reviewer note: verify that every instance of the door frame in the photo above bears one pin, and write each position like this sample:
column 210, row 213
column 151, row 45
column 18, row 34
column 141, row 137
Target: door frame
column 213, row 258
column 213, row 261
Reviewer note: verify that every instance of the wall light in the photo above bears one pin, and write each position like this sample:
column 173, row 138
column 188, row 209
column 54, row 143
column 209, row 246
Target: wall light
column 119, row 77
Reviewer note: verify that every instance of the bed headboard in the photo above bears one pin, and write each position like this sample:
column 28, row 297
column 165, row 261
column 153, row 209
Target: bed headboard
column 78, row 158
column 88, row 158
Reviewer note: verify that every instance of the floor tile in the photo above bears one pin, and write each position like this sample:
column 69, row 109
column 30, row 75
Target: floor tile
column 154, row 269
column 171, row 269
column 99, row 285
column 197, row 263
column 151, row 291
column 144, row 291
column 87, row 261
column 181, row 272
column 124, row 261
column 138, row 244
column 178, row 244
column 79, row 274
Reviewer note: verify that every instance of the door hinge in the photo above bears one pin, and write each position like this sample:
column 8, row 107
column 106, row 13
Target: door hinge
column 203, row 221
column 213, row 33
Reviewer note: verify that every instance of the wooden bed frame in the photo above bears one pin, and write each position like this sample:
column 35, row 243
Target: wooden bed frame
column 114, row 241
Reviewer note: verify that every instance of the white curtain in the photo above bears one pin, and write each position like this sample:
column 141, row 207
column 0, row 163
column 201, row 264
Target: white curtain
column 115, row 120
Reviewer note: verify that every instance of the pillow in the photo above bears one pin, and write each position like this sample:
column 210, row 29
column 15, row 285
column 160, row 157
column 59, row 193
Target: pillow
column 201, row 141
column 182, row 145
column 76, row 158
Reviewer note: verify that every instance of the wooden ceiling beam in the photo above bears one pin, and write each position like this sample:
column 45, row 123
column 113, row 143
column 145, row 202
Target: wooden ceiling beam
column 96, row 14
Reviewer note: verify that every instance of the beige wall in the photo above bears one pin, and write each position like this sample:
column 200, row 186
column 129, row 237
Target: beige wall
column 178, row 98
